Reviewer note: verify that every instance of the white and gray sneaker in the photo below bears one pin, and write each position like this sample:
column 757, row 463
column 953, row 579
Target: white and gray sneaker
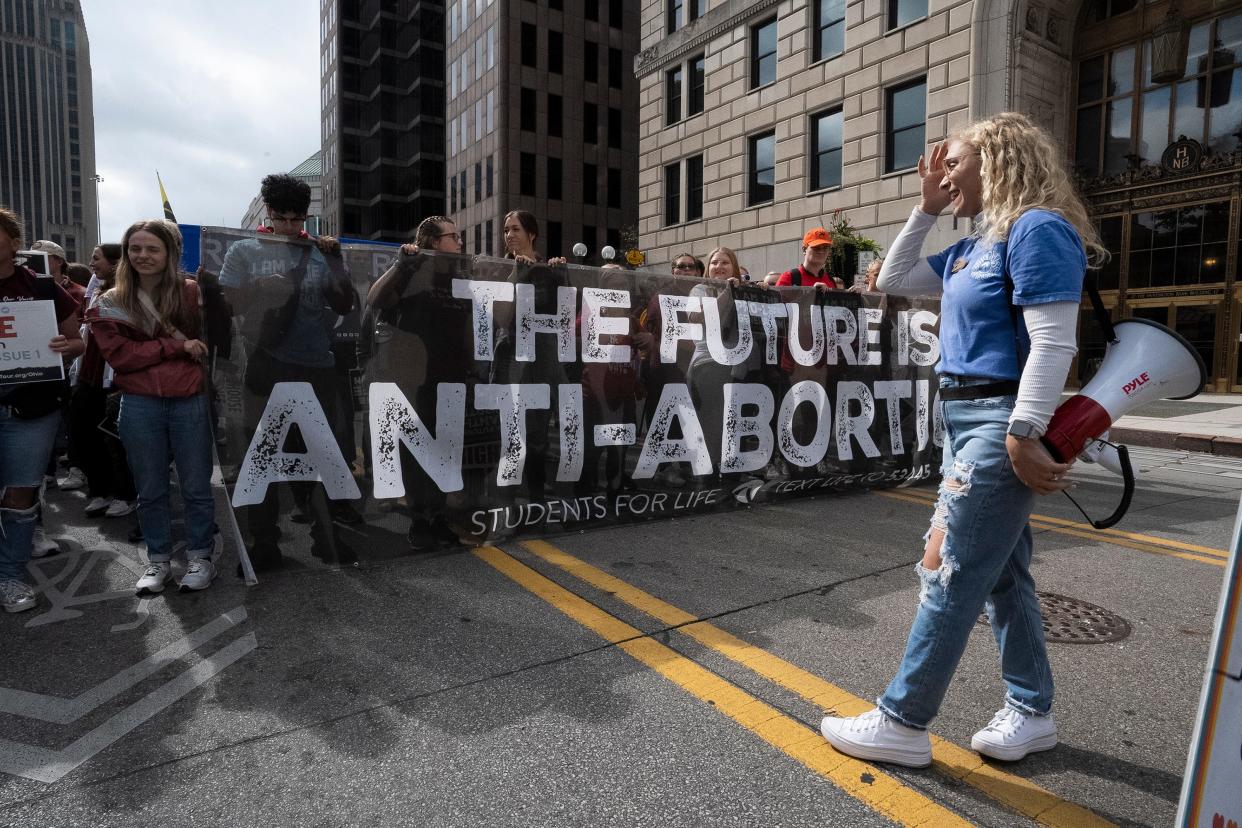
column 154, row 578
column 41, row 545
column 75, row 479
column 16, row 596
column 875, row 737
column 120, row 508
column 96, row 506
column 1011, row 735
column 198, row 575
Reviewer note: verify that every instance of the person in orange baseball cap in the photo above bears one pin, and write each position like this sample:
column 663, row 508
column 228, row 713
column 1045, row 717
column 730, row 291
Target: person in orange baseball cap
column 816, row 245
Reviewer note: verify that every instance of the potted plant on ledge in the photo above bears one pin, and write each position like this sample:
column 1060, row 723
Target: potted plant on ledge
column 847, row 243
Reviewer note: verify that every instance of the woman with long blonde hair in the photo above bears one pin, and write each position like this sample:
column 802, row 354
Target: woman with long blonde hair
column 1009, row 311
column 148, row 328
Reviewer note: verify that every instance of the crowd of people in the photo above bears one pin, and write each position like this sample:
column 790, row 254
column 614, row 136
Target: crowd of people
column 136, row 333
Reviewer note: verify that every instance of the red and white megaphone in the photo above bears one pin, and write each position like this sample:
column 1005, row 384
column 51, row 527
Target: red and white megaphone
column 1146, row 361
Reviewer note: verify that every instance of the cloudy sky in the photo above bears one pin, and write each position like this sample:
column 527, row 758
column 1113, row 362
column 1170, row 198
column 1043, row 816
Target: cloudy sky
column 213, row 96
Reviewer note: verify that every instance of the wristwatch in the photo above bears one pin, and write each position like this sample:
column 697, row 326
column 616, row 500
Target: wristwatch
column 1023, row 430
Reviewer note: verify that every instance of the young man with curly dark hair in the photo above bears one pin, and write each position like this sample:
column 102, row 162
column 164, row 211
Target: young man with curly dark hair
column 291, row 289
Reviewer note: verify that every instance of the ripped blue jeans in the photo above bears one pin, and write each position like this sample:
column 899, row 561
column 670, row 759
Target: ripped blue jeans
column 986, row 558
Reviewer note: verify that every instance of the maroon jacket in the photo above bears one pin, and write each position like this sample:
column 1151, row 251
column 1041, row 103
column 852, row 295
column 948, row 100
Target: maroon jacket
column 154, row 365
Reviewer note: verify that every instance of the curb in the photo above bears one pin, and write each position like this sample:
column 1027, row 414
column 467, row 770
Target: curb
column 1203, row 443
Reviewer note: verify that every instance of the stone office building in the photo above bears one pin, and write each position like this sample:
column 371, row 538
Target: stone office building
column 760, row 118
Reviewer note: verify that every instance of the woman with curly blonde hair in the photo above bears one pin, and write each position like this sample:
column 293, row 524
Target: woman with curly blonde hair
column 1009, row 309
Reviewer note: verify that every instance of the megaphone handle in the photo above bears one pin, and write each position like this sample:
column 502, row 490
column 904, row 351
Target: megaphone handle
column 1127, row 493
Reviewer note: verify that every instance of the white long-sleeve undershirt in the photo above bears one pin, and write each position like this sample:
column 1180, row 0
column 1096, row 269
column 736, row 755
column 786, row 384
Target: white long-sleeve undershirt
column 1052, row 326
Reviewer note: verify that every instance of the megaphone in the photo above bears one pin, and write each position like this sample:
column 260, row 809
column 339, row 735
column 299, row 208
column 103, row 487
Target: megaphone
column 1146, row 361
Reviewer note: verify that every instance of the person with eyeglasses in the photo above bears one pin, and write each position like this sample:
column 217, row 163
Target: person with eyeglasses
column 687, row 265
column 1009, row 293
column 291, row 289
column 416, row 327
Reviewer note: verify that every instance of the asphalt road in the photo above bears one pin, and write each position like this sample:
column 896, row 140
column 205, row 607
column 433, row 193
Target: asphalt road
column 670, row 673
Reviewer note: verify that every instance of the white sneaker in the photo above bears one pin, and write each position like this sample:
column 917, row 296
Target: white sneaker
column 96, row 506
column 75, row 479
column 16, row 596
column 120, row 508
column 1011, row 735
column 198, row 575
column 153, row 580
column 877, row 738
column 42, row 546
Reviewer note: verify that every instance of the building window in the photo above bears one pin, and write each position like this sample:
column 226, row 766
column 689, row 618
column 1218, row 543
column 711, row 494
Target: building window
column 616, row 14
column 672, row 96
column 453, row 193
column 1104, row 9
column 553, row 247
column 902, row 12
column 555, row 178
column 491, row 238
column 1204, row 104
column 555, row 4
column 826, row 140
column 675, row 8
column 613, row 235
column 698, row 8
column 555, row 115
column 1108, row 277
column 462, row 186
column 490, row 176
column 763, row 54
column 526, row 183
column 762, row 185
column 478, row 239
column 614, row 127
column 905, row 132
column 829, row 28
column 530, row 45
column 614, row 188
column 590, row 123
column 590, row 236
column 478, row 182
column 556, row 52
column 590, row 9
column 590, row 183
column 672, row 194
column 615, row 64
column 694, row 188
column 529, row 110
column 698, row 78
column 1186, row 246
column 590, row 62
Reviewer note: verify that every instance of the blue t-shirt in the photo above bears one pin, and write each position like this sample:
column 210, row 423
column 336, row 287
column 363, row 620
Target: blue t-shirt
column 1046, row 262
column 308, row 339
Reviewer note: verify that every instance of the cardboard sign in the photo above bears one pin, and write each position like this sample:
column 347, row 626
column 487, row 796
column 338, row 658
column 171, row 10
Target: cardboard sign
column 1210, row 790
column 25, row 330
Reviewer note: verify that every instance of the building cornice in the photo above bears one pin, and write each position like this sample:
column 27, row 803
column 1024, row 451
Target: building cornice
column 692, row 37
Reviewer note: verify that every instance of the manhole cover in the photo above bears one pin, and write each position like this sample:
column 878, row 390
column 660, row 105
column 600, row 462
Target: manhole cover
column 1070, row 621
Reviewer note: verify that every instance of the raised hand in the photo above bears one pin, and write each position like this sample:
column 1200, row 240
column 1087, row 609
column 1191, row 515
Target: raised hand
column 932, row 172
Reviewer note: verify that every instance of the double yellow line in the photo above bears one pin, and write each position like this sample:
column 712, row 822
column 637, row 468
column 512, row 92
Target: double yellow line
column 1131, row 540
column 871, row 786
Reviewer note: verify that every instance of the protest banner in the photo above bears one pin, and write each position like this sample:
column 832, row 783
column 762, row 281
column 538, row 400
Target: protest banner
column 476, row 399
column 25, row 330
column 1210, row 788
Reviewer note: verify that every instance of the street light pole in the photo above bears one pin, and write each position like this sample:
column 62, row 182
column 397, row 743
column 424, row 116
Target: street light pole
column 98, row 179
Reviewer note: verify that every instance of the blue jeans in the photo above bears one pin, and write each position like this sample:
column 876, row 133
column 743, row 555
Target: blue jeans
column 986, row 558
column 25, row 446
column 155, row 431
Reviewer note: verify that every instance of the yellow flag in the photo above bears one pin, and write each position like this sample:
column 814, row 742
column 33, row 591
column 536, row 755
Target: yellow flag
column 168, row 213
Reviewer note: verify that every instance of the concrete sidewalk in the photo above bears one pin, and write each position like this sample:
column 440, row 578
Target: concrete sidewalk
column 1209, row 423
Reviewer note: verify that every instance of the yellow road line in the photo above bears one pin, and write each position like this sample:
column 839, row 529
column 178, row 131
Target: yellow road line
column 1152, row 545
column 882, row 793
column 1014, row 792
column 1154, row 540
